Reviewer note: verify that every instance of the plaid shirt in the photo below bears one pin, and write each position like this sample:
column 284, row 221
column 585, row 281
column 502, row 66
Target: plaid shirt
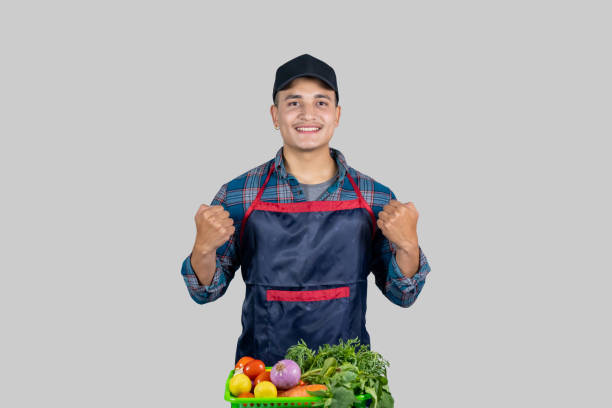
column 237, row 195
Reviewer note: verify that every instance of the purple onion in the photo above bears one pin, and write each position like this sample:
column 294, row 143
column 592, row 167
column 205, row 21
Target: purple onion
column 285, row 374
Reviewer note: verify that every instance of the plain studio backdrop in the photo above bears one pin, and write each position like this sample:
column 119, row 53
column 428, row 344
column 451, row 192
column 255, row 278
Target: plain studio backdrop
column 118, row 119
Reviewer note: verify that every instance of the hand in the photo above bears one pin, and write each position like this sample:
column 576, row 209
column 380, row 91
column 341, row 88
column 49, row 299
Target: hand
column 398, row 223
column 214, row 227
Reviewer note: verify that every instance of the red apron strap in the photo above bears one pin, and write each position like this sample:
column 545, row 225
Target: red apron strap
column 364, row 202
column 255, row 202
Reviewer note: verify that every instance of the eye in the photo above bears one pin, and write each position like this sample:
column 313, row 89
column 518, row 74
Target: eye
column 291, row 103
column 323, row 102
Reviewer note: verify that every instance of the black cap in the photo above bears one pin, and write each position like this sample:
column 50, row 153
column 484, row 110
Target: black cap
column 304, row 65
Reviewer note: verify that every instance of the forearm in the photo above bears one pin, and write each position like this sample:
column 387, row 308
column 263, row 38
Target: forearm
column 204, row 264
column 408, row 261
column 401, row 289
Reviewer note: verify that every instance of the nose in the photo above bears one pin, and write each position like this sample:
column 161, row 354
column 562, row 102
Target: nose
column 308, row 111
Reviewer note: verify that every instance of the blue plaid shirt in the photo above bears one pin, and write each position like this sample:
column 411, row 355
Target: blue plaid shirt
column 237, row 195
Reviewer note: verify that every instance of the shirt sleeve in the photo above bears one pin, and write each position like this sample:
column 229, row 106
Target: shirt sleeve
column 399, row 289
column 227, row 261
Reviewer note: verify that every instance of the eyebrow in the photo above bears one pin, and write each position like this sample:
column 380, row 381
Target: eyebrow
column 295, row 96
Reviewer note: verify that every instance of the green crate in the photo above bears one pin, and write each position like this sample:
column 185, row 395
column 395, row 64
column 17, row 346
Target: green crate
column 235, row 402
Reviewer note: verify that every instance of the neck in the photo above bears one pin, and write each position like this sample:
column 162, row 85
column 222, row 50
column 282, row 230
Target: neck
column 310, row 167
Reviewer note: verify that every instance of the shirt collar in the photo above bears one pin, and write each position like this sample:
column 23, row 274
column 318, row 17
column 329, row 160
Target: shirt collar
column 335, row 154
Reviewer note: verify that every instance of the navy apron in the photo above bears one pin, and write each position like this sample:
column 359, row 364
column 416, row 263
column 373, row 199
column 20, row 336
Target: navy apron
column 305, row 266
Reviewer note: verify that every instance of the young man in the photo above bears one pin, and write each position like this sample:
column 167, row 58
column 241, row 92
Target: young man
column 306, row 230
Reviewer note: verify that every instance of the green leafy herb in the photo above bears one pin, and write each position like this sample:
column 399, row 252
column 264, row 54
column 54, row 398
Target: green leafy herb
column 347, row 369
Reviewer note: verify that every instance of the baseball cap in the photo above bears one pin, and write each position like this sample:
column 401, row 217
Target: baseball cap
column 304, row 65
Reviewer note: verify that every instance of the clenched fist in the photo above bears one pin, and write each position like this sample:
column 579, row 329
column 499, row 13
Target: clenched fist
column 214, row 227
column 398, row 223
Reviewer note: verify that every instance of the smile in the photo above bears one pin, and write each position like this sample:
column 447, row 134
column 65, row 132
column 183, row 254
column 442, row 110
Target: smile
column 308, row 129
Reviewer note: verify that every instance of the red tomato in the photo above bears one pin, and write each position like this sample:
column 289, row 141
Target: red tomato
column 254, row 368
column 265, row 376
column 246, row 395
column 243, row 361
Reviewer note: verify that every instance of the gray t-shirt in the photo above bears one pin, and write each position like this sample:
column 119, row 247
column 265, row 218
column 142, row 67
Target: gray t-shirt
column 314, row 191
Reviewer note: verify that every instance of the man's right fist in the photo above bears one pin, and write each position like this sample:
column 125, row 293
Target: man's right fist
column 214, row 227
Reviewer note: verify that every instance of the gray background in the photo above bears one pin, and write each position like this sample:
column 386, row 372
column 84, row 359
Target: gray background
column 119, row 118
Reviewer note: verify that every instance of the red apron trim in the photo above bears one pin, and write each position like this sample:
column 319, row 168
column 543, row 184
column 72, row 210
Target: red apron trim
column 252, row 207
column 309, row 206
column 365, row 203
column 307, row 295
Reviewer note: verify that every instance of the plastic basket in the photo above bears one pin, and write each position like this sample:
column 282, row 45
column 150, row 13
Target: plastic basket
column 362, row 399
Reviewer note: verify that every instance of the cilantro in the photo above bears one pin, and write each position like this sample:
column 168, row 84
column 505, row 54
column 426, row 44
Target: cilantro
column 347, row 369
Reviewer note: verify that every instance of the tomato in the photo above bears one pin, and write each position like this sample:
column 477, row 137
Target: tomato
column 243, row 361
column 265, row 376
column 246, row 395
column 254, row 368
column 302, row 382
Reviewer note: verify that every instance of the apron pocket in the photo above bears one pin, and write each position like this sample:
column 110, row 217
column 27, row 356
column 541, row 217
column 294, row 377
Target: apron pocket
column 316, row 316
column 307, row 295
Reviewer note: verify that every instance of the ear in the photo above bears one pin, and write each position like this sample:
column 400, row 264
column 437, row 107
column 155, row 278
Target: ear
column 338, row 109
column 273, row 113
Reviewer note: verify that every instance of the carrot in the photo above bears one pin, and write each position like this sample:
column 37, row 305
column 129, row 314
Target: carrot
column 301, row 390
column 316, row 387
column 297, row 391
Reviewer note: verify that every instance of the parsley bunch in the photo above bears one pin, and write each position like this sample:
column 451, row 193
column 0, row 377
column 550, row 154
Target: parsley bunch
column 347, row 369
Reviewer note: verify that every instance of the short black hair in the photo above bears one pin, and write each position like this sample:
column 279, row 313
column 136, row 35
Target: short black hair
column 323, row 84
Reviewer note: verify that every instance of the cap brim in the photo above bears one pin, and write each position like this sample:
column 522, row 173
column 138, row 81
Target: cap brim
column 281, row 86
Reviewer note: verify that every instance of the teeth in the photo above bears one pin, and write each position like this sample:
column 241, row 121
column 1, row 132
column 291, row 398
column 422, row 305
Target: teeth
column 308, row 129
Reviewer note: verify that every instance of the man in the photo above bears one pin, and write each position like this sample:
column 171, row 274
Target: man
column 306, row 230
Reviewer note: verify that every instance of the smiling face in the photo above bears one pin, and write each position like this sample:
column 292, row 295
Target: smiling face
column 306, row 113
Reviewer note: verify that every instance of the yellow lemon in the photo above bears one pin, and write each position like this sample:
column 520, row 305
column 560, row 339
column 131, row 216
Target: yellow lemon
column 239, row 383
column 265, row 389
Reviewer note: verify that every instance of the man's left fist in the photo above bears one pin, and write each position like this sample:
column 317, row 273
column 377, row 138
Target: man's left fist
column 398, row 222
